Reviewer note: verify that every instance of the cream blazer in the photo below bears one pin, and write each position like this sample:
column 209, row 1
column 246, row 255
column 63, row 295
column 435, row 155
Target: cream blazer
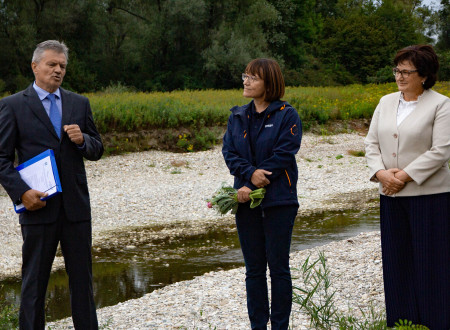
column 420, row 145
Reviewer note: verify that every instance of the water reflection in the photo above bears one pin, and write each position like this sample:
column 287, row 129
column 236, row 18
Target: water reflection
column 127, row 274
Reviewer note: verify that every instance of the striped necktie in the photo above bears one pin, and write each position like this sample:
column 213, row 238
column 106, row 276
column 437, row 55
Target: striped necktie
column 54, row 114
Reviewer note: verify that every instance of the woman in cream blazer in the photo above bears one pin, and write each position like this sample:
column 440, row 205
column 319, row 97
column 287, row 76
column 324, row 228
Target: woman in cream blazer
column 407, row 151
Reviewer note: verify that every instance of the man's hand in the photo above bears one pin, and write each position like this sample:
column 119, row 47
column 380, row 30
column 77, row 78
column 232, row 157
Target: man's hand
column 74, row 133
column 242, row 194
column 391, row 185
column 31, row 199
column 259, row 178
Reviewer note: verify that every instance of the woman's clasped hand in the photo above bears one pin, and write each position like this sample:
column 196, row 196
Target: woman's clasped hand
column 393, row 180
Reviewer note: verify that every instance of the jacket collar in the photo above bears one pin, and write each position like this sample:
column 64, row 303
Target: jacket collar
column 35, row 104
column 242, row 110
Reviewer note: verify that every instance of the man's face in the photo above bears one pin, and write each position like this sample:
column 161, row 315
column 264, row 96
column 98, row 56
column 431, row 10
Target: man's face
column 50, row 71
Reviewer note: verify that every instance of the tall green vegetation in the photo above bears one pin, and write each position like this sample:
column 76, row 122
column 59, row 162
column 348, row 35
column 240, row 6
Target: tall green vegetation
column 164, row 45
column 131, row 112
column 9, row 314
column 315, row 297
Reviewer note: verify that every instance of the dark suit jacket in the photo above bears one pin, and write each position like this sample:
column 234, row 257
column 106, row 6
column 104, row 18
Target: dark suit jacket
column 26, row 128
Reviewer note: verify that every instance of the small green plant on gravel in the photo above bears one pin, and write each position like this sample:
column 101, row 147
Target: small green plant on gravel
column 106, row 325
column 197, row 320
column 316, row 298
column 356, row 153
column 407, row 325
column 316, row 279
column 339, row 156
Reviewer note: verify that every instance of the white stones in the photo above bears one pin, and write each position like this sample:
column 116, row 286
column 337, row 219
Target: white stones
column 133, row 191
column 218, row 299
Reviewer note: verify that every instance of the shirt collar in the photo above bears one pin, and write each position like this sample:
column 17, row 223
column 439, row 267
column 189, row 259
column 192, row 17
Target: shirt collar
column 255, row 113
column 42, row 93
column 411, row 102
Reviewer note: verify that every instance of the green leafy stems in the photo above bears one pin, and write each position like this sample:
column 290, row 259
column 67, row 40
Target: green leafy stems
column 225, row 199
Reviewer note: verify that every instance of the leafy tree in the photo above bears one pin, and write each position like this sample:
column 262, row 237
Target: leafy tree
column 364, row 35
column 444, row 25
column 183, row 44
column 235, row 42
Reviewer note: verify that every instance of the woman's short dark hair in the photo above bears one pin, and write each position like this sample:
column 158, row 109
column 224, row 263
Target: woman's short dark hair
column 270, row 72
column 424, row 59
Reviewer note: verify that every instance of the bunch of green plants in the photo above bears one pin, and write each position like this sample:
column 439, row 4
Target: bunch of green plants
column 316, row 298
column 225, row 199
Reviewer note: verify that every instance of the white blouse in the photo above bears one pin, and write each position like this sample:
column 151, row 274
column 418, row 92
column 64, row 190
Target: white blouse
column 405, row 108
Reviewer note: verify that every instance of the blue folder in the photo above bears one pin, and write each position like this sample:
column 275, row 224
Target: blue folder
column 52, row 189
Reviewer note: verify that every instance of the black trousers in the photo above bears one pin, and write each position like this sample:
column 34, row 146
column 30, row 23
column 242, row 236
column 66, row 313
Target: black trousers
column 415, row 241
column 40, row 242
column 265, row 240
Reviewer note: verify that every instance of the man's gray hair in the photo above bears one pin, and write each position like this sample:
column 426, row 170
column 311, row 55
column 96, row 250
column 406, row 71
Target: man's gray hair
column 55, row 45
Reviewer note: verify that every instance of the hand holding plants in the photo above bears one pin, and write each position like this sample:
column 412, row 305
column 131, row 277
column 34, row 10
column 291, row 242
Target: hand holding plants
column 226, row 198
column 243, row 194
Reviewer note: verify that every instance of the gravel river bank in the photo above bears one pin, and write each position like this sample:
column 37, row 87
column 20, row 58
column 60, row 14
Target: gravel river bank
column 167, row 192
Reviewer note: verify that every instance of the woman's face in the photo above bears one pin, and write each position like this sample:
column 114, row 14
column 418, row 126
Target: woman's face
column 253, row 86
column 411, row 84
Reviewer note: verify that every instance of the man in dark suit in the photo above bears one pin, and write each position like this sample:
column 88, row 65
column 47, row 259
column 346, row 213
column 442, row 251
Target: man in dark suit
column 45, row 116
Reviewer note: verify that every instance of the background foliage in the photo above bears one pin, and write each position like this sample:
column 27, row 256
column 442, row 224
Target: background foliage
column 164, row 45
column 131, row 112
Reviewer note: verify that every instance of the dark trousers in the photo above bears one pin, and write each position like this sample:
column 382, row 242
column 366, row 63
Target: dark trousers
column 415, row 241
column 40, row 242
column 265, row 240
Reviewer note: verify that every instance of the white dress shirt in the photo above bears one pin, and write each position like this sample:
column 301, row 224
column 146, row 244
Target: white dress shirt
column 405, row 108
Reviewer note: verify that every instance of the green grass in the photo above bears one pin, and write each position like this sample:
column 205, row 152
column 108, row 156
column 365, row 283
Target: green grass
column 124, row 117
column 128, row 111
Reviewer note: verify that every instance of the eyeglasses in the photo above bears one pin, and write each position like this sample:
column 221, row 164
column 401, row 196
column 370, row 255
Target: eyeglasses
column 251, row 78
column 403, row 73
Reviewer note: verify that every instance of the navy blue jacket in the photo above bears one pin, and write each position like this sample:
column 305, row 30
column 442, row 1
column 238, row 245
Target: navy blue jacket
column 277, row 142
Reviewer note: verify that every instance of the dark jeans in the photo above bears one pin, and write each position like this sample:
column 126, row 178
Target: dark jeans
column 265, row 240
column 38, row 252
column 415, row 243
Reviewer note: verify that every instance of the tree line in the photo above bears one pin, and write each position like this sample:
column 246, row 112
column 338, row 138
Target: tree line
column 164, row 45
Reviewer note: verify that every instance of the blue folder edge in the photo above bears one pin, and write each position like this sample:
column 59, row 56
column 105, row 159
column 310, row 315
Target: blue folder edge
column 33, row 160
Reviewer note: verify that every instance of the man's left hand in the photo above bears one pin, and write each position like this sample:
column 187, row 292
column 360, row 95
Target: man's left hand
column 74, row 133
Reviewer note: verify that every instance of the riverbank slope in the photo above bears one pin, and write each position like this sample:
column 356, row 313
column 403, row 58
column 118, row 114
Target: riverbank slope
column 217, row 300
column 167, row 191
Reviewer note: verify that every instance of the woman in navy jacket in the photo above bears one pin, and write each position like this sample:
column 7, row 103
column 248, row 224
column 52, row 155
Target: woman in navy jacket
column 259, row 148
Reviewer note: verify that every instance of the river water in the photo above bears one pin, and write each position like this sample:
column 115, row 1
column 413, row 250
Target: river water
column 125, row 274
